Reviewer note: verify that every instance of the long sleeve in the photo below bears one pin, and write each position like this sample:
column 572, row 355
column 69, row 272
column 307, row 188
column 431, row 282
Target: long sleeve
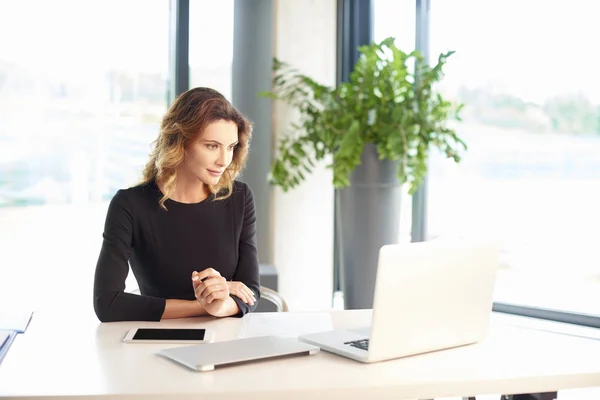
column 111, row 303
column 247, row 270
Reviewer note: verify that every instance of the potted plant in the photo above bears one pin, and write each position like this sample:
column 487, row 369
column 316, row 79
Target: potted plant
column 375, row 132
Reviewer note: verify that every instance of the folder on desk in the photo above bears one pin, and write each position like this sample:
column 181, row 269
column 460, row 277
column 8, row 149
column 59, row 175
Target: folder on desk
column 16, row 321
column 6, row 339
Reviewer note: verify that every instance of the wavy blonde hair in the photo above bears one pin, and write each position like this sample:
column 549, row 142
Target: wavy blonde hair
column 182, row 126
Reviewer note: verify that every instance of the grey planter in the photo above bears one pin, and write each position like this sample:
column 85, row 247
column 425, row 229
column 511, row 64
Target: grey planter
column 369, row 217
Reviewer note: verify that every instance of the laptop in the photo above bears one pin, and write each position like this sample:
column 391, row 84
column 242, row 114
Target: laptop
column 429, row 296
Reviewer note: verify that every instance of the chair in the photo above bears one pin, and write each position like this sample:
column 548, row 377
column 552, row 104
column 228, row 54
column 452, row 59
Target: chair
column 275, row 298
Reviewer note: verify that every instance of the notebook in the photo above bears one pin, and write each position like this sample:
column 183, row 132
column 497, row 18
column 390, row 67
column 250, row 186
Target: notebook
column 208, row 356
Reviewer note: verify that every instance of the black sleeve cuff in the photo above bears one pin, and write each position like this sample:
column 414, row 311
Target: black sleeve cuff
column 244, row 308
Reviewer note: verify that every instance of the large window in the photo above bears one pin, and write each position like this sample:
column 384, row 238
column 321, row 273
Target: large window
column 211, row 44
column 531, row 176
column 82, row 90
column 397, row 19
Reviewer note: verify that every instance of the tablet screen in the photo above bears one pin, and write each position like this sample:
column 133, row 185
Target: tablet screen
column 169, row 334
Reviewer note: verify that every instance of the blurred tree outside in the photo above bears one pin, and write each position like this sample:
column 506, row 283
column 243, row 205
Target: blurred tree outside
column 568, row 113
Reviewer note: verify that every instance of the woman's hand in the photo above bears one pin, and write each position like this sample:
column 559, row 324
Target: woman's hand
column 211, row 289
column 242, row 291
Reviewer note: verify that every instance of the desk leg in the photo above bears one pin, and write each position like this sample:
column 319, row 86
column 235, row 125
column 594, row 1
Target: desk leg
column 534, row 396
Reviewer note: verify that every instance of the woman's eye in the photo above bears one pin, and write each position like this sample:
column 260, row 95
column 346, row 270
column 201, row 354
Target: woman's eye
column 212, row 146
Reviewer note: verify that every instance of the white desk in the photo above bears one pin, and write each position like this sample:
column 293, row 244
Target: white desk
column 83, row 359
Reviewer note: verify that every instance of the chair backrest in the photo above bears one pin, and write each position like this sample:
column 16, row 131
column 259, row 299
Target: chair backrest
column 275, row 298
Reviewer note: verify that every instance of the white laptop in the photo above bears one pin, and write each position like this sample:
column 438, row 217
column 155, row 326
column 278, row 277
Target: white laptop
column 428, row 296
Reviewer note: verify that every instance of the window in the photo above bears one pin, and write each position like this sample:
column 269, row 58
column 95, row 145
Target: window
column 82, row 90
column 531, row 176
column 397, row 19
column 211, row 44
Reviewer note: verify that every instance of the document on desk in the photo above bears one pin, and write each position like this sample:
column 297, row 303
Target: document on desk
column 17, row 321
column 284, row 324
column 6, row 339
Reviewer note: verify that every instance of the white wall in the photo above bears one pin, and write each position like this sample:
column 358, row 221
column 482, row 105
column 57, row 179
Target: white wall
column 302, row 231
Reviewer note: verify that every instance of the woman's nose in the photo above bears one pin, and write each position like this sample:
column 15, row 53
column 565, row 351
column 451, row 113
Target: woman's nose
column 222, row 160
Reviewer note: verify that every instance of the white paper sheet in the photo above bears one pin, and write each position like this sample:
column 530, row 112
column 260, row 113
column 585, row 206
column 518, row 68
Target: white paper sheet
column 17, row 321
column 284, row 324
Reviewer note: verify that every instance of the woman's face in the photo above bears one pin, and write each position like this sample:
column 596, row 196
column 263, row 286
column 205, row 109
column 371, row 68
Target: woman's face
column 212, row 153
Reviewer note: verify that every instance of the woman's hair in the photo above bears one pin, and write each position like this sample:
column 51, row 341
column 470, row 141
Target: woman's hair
column 182, row 126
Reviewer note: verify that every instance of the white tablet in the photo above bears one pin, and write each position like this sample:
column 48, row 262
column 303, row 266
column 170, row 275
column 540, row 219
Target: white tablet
column 169, row 335
column 209, row 356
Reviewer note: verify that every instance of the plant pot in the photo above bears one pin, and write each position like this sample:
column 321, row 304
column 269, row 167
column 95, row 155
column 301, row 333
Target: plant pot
column 368, row 218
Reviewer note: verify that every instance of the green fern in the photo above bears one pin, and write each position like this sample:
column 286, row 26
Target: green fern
column 389, row 100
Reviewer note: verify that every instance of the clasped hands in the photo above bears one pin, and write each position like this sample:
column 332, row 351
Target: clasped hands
column 212, row 290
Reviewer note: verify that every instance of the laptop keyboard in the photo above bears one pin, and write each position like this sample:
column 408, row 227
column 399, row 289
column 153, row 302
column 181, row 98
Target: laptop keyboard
column 362, row 344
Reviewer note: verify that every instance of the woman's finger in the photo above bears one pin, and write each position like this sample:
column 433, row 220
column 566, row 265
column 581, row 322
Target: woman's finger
column 195, row 280
column 242, row 296
column 214, row 281
column 216, row 295
column 212, row 285
column 246, row 292
column 198, row 293
column 200, row 289
column 206, row 273
column 245, row 289
column 249, row 295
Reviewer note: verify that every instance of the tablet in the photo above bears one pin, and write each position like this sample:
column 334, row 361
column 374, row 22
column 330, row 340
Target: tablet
column 169, row 335
column 209, row 356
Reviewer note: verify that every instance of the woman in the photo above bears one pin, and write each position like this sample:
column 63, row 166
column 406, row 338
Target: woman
column 188, row 230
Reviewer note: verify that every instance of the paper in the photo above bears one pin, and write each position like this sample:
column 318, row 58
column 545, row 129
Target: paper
column 3, row 338
column 6, row 339
column 284, row 324
column 15, row 321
